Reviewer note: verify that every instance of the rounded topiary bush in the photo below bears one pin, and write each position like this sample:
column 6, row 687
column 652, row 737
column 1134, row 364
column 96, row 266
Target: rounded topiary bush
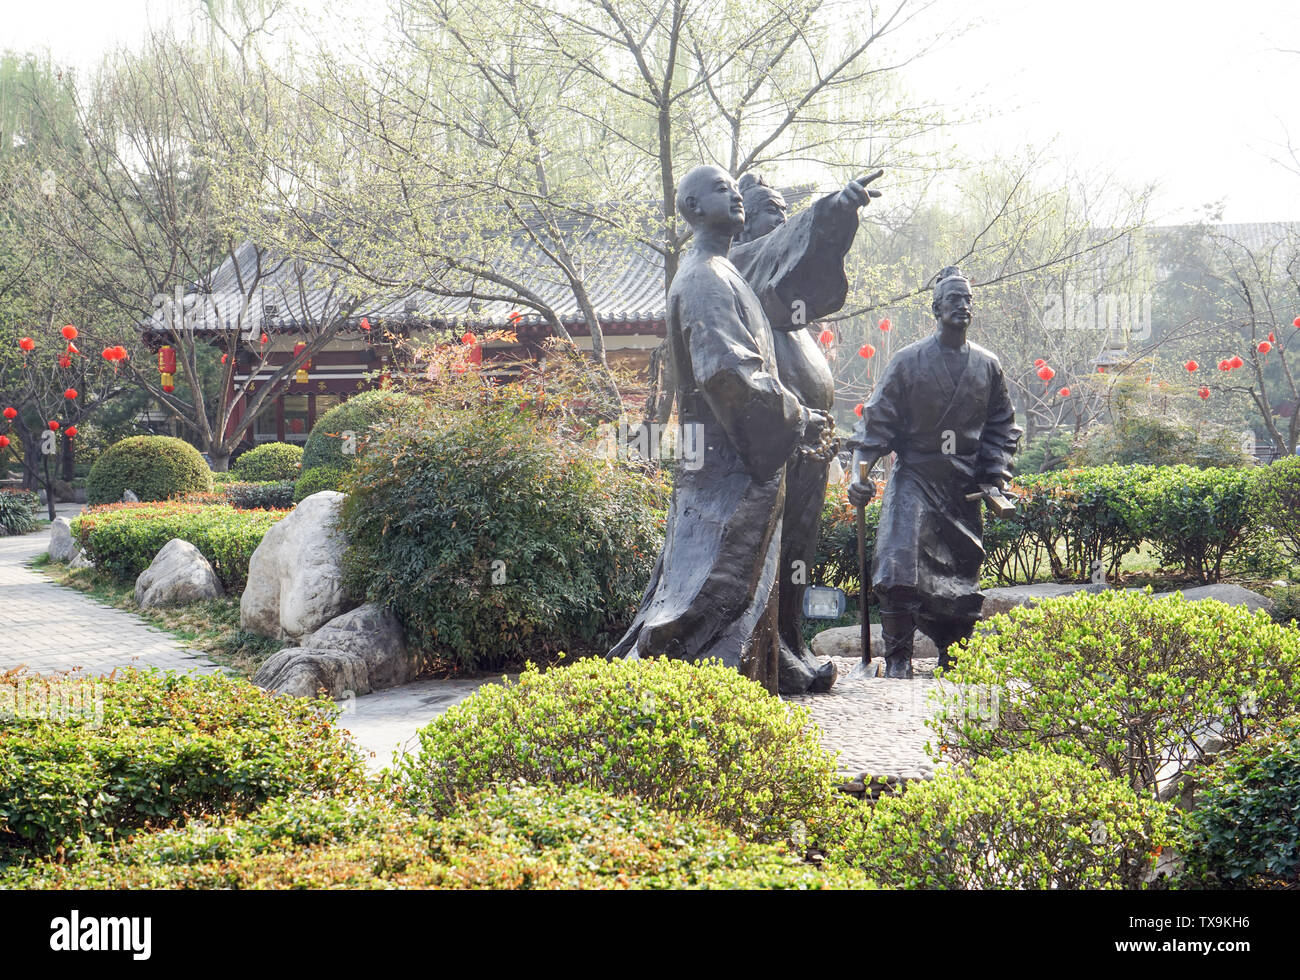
column 1034, row 821
column 316, row 479
column 343, row 433
column 697, row 739
column 269, row 461
column 1120, row 680
column 508, row 837
column 1244, row 828
column 97, row 759
column 152, row 467
column 494, row 541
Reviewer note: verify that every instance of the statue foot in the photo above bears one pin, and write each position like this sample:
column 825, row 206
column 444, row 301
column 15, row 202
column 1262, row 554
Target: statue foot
column 945, row 660
column 825, row 678
column 899, row 668
column 803, row 675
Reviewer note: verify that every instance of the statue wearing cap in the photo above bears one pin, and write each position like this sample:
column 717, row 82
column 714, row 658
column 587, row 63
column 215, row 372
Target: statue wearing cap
column 796, row 268
column 943, row 407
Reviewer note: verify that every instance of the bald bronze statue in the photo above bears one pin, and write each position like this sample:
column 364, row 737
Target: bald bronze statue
column 943, row 407
column 713, row 591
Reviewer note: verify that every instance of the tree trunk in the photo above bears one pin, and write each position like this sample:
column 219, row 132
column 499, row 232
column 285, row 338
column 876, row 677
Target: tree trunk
column 219, row 462
column 49, row 487
column 69, row 461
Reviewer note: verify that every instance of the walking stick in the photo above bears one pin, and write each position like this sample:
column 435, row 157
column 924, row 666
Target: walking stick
column 864, row 571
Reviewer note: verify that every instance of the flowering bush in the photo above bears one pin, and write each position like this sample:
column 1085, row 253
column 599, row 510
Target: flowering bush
column 122, row 539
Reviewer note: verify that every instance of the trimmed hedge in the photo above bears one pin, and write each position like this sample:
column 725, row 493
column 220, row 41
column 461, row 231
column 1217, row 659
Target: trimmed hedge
column 318, row 478
column 122, row 539
column 492, row 539
column 1030, row 821
column 344, row 433
column 1244, row 829
column 696, row 739
column 1120, row 680
column 513, row 837
column 153, row 467
column 269, row 461
column 148, row 748
column 1277, row 502
column 267, row 495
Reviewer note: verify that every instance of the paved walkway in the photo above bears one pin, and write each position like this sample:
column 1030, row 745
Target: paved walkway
column 49, row 628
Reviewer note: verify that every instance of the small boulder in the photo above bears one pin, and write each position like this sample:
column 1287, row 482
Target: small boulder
column 63, row 547
column 1226, row 592
column 303, row 673
column 846, row 641
column 295, row 577
column 81, row 561
column 1005, row 599
column 129, row 497
column 177, row 576
column 373, row 633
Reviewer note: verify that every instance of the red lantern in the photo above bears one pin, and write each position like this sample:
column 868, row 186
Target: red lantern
column 69, row 332
column 1046, row 373
column 469, row 338
column 1272, row 339
column 71, row 432
column 1039, row 363
column 265, row 339
column 11, row 413
column 223, row 358
column 857, row 410
column 54, row 426
column 1101, row 369
column 119, row 353
column 885, row 325
column 365, row 323
column 4, row 442
column 301, row 375
column 1264, row 347
column 1296, row 323
column 65, row 361
column 70, row 394
column 1236, row 362
column 1191, row 366
column 166, row 359
column 1204, row 393
column 514, row 317
column 26, row 343
column 866, row 350
column 825, row 338
column 1224, row 365
column 1064, row 392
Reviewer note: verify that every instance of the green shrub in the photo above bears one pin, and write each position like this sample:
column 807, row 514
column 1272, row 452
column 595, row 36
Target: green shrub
column 1244, row 829
column 507, row 838
column 318, row 478
column 697, row 739
column 493, row 540
column 1120, row 680
column 268, row 495
column 269, row 461
column 221, row 479
column 153, row 467
column 18, row 513
column 1031, row 821
column 344, row 433
column 836, row 560
column 122, row 539
column 1277, row 504
column 148, row 748
column 1196, row 518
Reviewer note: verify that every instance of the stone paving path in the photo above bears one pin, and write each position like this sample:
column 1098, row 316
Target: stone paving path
column 51, row 628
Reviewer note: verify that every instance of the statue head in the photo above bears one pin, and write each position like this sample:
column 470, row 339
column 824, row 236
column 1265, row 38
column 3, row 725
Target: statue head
column 765, row 208
column 952, row 304
column 708, row 197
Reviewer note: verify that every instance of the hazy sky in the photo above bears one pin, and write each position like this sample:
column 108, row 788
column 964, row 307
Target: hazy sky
column 1193, row 95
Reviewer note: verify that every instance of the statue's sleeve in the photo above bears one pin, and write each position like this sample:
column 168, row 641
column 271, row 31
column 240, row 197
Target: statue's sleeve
column 1001, row 435
column 801, row 262
column 762, row 417
column 881, row 427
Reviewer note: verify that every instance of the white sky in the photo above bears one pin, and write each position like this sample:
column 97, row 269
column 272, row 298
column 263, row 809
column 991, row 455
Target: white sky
column 1193, row 95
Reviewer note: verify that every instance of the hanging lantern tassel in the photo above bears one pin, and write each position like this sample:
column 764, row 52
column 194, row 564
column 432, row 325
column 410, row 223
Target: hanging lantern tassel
column 301, row 376
column 168, row 383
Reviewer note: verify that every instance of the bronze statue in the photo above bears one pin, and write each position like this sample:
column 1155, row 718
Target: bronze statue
column 713, row 590
column 796, row 268
column 942, row 406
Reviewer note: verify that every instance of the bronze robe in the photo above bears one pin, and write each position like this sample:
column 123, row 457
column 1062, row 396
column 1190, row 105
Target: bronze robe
column 712, row 591
column 929, row 538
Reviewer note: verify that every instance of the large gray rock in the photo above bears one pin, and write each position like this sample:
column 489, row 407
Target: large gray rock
column 129, row 497
column 63, row 547
column 846, row 641
column 81, row 561
column 303, row 673
column 295, row 577
column 177, row 576
column 1233, row 595
column 1005, row 599
column 372, row 633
